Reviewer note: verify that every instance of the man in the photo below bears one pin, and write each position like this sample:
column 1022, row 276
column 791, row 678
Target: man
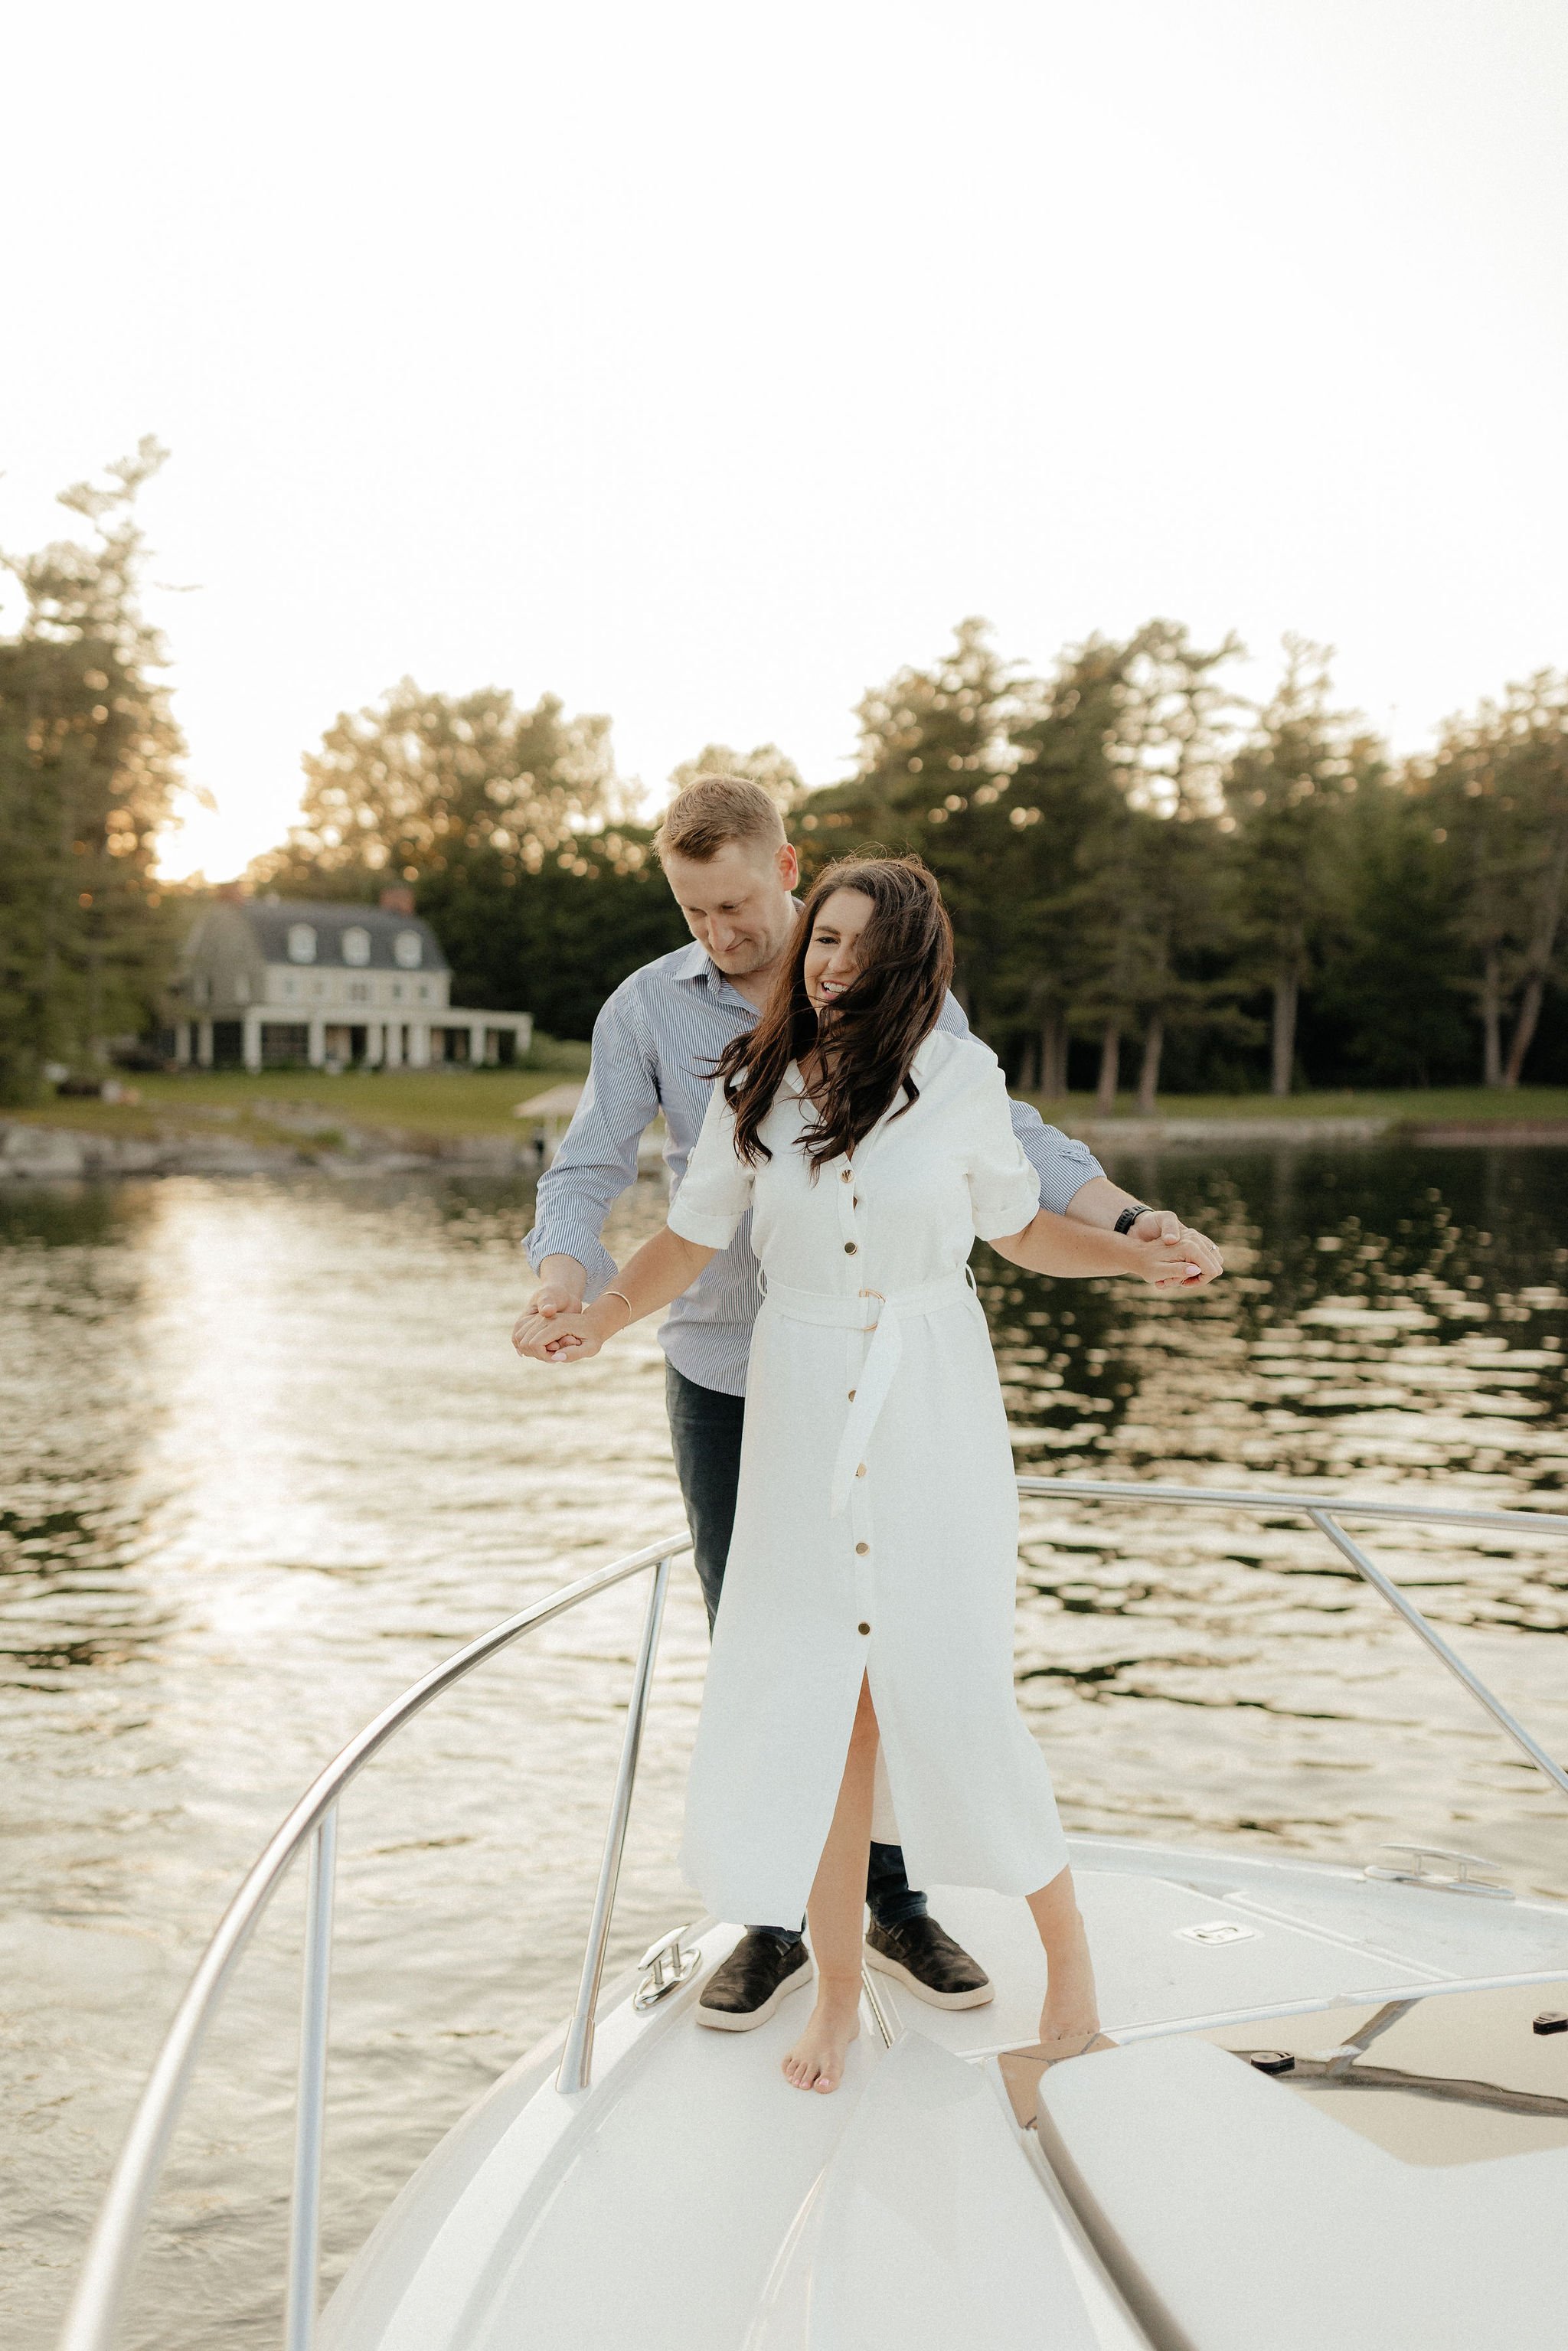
column 724, row 856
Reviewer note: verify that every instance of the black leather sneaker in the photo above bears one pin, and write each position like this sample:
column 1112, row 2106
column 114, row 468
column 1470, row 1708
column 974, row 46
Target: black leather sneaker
column 922, row 1955
column 758, row 1973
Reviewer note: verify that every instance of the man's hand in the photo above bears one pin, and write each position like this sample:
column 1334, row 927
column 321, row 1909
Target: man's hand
column 1158, row 1228
column 561, row 1284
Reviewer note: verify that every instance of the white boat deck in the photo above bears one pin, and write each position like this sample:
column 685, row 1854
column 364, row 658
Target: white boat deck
column 691, row 2200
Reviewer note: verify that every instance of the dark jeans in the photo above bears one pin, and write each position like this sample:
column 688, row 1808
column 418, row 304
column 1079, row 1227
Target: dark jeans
column 705, row 1428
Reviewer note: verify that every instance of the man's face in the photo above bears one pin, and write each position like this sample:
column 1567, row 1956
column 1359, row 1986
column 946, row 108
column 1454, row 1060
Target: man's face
column 738, row 904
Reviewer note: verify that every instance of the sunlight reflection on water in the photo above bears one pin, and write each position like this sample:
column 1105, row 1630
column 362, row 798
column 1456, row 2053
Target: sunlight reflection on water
column 268, row 1455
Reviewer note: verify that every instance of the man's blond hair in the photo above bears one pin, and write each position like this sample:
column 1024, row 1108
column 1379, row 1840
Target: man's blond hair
column 717, row 810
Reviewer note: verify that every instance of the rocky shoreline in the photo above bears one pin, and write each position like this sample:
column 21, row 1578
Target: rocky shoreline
column 34, row 1153
column 38, row 1154
column 1248, row 1134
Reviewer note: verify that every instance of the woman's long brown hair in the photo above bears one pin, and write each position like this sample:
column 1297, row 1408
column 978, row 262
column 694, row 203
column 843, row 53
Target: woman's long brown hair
column 906, row 963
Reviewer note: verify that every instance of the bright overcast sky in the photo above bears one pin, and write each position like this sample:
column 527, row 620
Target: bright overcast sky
column 703, row 362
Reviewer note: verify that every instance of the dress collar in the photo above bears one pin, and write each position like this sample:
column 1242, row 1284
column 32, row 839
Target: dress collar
column 794, row 1085
column 924, row 1054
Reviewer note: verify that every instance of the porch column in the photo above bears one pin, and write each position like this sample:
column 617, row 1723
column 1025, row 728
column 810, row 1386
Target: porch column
column 204, row 1043
column 419, row 1044
column 315, row 1050
column 476, row 1044
column 392, row 1058
column 375, row 1044
column 252, row 1052
column 182, row 1044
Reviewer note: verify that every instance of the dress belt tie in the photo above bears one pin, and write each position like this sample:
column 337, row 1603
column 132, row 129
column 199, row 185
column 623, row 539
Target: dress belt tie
column 882, row 1356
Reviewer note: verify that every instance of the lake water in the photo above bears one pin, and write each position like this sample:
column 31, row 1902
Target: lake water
column 267, row 1456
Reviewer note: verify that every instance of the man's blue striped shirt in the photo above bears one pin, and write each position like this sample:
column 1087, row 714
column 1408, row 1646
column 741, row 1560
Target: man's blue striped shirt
column 653, row 1044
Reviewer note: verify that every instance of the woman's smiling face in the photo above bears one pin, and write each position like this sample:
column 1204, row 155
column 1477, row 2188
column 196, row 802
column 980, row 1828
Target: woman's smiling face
column 832, row 956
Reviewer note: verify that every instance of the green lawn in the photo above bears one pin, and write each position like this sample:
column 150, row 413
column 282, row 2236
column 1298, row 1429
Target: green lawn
column 1439, row 1106
column 456, row 1101
column 437, row 1103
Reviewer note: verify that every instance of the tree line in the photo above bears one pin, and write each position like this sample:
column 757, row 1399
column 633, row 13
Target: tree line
column 1140, row 861
column 89, row 757
column 1152, row 881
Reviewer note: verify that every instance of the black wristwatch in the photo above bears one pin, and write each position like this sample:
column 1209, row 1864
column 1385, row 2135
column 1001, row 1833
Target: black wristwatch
column 1129, row 1217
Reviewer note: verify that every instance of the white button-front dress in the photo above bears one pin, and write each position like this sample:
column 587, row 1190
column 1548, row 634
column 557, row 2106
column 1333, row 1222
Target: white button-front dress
column 876, row 1525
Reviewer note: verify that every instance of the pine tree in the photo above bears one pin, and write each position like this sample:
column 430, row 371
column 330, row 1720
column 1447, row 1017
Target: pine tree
column 935, row 778
column 1151, row 907
column 1500, row 781
column 1287, row 789
column 89, row 760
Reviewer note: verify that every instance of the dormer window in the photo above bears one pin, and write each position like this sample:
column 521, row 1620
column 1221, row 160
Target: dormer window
column 356, row 945
column 301, row 942
column 408, row 947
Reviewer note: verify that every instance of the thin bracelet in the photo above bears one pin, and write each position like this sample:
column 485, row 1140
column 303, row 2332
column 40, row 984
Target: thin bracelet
column 625, row 1302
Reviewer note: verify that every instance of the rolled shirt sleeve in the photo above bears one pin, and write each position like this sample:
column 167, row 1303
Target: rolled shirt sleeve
column 1062, row 1163
column 1004, row 1188
column 597, row 1160
column 715, row 1192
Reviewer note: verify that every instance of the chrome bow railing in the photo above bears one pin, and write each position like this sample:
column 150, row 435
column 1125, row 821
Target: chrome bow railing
column 106, row 2273
column 1324, row 1512
column 101, row 2290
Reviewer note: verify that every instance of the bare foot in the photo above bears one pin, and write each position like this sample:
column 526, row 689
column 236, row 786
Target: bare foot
column 817, row 2060
column 1071, row 2009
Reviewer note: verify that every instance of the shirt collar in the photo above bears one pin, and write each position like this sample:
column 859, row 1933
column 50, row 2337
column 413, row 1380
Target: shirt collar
column 697, row 968
column 697, row 964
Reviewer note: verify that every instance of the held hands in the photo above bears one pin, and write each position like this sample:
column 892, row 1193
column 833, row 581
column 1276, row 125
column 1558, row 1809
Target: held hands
column 1170, row 1255
column 570, row 1339
column 551, row 1300
column 557, row 1329
column 561, row 1335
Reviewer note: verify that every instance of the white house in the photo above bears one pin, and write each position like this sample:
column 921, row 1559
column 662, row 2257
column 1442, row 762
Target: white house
column 271, row 980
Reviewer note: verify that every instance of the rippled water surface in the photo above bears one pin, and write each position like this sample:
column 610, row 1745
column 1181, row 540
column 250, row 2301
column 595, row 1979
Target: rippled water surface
column 267, row 1456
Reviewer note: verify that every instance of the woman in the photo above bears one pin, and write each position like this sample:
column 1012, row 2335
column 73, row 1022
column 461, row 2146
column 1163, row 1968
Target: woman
column 868, row 1598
